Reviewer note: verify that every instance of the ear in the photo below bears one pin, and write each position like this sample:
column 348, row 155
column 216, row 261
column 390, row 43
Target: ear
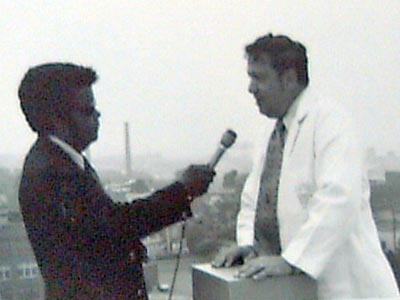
column 289, row 79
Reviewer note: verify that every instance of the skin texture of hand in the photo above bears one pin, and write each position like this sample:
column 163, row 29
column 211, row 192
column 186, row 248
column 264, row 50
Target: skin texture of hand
column 197, row 179
column 264, row 266
column 228, row 257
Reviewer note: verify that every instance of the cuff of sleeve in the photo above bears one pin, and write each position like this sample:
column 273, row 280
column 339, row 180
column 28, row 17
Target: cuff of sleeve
column 297, row 271
column 298, row 266
column 244, row 240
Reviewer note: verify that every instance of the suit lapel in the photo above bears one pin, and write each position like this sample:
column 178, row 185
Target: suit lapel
column 293, row 135
column 90, row 170
column 65, row 166
column 301, row 115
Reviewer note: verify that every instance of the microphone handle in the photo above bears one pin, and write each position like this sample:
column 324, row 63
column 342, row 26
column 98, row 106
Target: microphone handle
column 217, row 156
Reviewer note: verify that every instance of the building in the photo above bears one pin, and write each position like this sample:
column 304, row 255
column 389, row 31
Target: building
column 19, row 274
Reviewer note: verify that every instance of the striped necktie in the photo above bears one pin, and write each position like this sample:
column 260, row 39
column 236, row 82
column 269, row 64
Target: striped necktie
column 266, row 231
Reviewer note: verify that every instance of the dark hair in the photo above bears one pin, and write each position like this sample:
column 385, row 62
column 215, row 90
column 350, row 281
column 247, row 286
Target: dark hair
column 46, row 90
column 284, row 54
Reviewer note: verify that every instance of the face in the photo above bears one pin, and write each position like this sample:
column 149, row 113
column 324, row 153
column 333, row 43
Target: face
column 84, row 119
column 269, row 90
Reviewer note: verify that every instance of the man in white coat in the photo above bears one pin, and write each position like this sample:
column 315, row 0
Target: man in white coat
column 322, row 212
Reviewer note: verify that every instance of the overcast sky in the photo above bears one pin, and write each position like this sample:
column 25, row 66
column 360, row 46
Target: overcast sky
column 175, row 70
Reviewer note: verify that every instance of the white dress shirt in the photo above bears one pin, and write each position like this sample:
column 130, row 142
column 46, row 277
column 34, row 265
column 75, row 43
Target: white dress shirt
column 75, row 155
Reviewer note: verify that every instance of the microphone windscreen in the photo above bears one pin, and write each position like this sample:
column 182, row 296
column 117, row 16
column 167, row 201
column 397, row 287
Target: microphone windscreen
column 228, row 138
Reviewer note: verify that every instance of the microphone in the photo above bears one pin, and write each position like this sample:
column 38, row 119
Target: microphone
column 227, row 140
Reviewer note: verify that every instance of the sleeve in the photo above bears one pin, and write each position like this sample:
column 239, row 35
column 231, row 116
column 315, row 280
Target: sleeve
column 95, row 214
column 163, row 208
column 336, row 202
column 245, row 219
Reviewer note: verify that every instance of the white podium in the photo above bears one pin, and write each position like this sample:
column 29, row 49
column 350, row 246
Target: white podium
column 221, row 284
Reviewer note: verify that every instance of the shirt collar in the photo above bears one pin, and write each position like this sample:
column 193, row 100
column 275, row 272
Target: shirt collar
column 75, row 155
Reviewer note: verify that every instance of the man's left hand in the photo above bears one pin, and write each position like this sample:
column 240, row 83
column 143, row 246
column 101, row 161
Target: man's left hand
column 265, row 266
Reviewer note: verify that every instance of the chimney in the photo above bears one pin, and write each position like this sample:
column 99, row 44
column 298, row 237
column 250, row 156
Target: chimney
column 127, row 151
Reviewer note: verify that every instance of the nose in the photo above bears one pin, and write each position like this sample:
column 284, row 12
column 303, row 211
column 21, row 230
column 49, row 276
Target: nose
column 97, row 114
column 252, row 87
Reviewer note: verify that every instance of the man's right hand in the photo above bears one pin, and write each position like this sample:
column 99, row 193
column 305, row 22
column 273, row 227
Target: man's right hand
column 196, row 179
column 228, row 257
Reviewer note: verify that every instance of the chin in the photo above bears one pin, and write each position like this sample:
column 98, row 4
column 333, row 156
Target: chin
column 271, row 115
column 93, row 139
column 90, row 141
column 266, row 113
column 262, row 111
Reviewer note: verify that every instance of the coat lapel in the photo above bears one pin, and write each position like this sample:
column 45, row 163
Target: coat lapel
column 301, row 115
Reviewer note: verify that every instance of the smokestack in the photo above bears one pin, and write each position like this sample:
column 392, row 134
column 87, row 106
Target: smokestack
column 128, row 151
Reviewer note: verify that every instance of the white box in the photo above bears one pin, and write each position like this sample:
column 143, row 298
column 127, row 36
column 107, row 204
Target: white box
column 220, row 284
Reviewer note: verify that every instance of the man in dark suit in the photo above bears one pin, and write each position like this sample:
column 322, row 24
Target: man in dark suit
column 87, row 246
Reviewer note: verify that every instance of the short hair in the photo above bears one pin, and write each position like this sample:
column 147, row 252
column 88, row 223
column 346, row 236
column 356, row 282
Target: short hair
column 284, row 54
column 46, row 90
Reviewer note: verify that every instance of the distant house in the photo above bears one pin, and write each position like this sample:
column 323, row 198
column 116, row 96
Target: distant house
column 19, row 274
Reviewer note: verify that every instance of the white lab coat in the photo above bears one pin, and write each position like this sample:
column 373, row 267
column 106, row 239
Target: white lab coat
column 325, row 221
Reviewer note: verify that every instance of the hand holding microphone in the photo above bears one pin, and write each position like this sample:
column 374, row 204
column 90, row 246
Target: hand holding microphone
column 197, row 178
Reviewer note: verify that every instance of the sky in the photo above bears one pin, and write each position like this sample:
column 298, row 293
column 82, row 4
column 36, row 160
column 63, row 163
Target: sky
column 176, row 71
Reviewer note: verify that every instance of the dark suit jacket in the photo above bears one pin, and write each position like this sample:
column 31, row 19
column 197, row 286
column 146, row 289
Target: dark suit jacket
column 87, row 246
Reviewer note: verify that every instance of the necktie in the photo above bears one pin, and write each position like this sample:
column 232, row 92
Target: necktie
column 266, row 230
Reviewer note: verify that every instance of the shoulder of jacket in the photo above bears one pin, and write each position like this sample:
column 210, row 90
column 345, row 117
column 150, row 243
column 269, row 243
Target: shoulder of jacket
column 45, row 158
column 326, row 107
